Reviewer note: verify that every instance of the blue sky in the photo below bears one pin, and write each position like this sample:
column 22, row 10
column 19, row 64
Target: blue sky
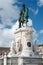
column 9, row 14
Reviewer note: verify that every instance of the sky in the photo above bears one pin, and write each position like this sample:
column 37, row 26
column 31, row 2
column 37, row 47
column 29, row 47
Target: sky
column 9, row 14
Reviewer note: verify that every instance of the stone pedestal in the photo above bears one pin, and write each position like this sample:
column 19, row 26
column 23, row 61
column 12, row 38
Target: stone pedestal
column 24, row 38
column 24, row 47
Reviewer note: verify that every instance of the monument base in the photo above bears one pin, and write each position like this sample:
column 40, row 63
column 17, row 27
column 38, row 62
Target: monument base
column 29, row 61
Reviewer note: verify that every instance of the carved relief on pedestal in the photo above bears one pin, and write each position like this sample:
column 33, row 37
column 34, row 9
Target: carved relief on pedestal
column 13, row 47
column 18, row 46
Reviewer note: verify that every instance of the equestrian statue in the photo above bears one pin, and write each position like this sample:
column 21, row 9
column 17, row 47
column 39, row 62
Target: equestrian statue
column 23, row 16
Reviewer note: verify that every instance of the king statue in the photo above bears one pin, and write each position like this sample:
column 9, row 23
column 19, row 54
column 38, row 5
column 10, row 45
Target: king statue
column 23, row 16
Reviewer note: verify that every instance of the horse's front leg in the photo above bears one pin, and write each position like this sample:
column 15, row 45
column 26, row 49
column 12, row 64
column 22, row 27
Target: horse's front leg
column 19, row 24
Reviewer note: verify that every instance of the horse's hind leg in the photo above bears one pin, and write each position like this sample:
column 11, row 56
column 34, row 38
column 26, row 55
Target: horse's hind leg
column 22, row 23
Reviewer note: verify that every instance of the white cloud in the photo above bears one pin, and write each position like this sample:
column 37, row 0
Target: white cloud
column 35, row 35
column 1, row 26
column 34, row 11
column 41, row 32
column 6, row 36
column 29, row 23
column 15, row 26
column 8, row 11
column 40, row 3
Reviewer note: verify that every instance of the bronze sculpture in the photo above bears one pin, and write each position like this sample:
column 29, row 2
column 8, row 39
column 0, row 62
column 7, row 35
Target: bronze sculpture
column 23, row 15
